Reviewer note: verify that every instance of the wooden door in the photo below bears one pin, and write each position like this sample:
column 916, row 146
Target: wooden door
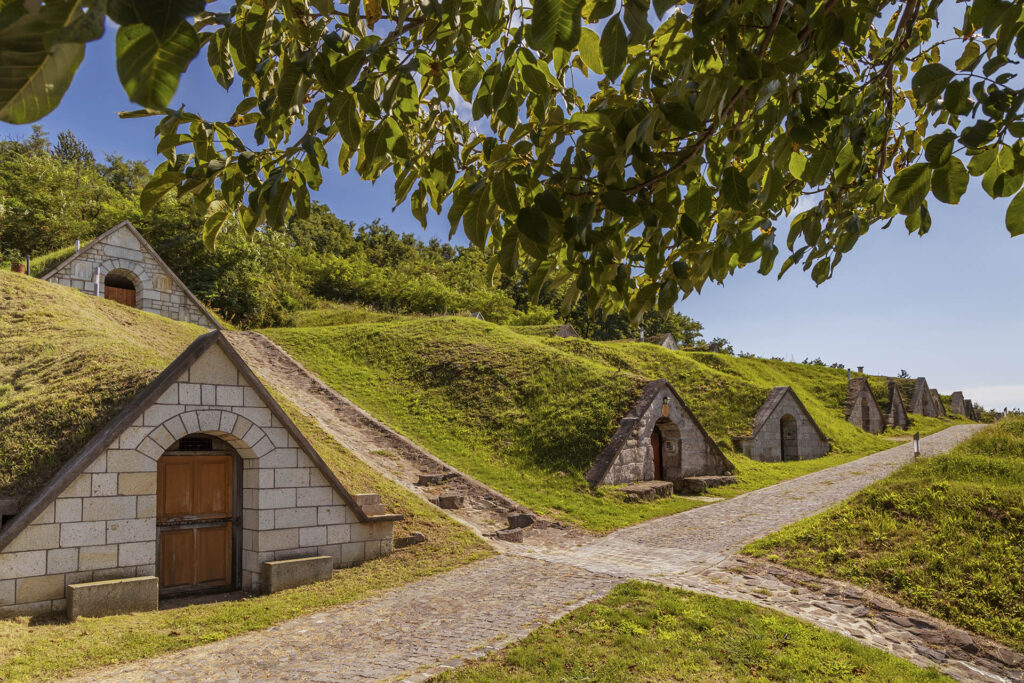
column 195, row 522
column 865, row 415
column 120, row 294
column 790, row 449
column 656, row 450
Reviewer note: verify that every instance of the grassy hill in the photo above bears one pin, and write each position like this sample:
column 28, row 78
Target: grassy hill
column 943, row 535
column 527, row 414
column 68, row 364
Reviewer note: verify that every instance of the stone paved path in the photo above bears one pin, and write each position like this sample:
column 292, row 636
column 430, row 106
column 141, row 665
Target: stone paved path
column 419, row 629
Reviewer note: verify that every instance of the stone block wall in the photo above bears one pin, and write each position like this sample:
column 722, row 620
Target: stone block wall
column 766, row 443
column 862, row 409
column 103, row 526
column 121, row 251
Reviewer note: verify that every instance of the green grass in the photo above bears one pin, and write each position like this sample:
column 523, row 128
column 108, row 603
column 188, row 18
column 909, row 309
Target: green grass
column 43, row 264
column 46, row 649
column 332, row 313
column 645, row 632
column 944, row 535
column 528, row 414
column 68, row 364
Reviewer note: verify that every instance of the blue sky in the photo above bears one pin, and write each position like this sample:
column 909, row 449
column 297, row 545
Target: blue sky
column 943, row 306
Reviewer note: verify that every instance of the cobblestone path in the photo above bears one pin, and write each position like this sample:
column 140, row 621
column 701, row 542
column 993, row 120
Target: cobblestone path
column 417, row 630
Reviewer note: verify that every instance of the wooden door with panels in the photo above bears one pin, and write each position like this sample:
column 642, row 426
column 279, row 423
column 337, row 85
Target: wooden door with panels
column 197, row 517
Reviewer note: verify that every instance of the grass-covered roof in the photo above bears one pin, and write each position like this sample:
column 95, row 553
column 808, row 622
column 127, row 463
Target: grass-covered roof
column 69, row 363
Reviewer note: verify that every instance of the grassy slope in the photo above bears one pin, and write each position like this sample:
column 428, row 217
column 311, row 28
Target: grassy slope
column 68, row 364
column 644, row 632
column 58, row 648
column 528, row 414
column 943, row 535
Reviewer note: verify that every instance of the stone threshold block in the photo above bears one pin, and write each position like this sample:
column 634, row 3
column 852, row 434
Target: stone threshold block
column 116, row 596
column 698, row 485
column 651, row 489
column 283, row 574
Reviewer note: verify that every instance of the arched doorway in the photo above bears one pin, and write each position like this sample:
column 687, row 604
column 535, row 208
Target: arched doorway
column 790, row 448
column 865, row 415
column 665, row 448
column 198, row 514
column 119, row 286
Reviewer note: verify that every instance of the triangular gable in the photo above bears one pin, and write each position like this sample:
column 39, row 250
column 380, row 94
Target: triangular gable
column 610, row 452
column 775, row 397
column 895, row 399
column 940, row 409
column 858, row 386
column 126, row 225
column 566, row 330
column 921, row 397
column 103, row 439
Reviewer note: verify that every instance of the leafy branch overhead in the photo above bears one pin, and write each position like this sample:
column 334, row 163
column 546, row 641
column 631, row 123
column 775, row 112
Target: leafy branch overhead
column 631, row 149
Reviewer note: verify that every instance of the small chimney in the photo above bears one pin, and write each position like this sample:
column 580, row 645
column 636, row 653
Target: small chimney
column 860, row 369
column 641, row 334
column 78, row 246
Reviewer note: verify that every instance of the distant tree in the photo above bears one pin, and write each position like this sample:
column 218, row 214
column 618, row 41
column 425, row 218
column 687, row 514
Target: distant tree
column 72, row 149
column 903, row 375
column 816, row 361
column 716, row 345
column 127, row 177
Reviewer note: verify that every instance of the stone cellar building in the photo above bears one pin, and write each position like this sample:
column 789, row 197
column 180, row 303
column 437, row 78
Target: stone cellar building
column 921, row 401
column 897, row 416
column 661, row 440
column 862, row 409
column 940, row 409
column 783, row 430
column 200, row 484
column 122, row 266
column 957, row 405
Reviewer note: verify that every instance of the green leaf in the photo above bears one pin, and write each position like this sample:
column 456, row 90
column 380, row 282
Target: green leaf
column 505, row 192
column 35, row 72
column 149, row 68
column 797, row 164
column 617, row 201
column 555, row 23
column 343, row 108
column 689, row 228
column 969, row 57
column 681, row 116
column 999, row 183
column 909, row 188
column 614, row 48
column 734, row 188
column 164, row 17
column 590, row 50
column 165, row 179
column 930, row 81
column 1015, row 215
column 532, row 223
column 477, row 218
column 949, row 182
column 536, row 80
column 939, row 148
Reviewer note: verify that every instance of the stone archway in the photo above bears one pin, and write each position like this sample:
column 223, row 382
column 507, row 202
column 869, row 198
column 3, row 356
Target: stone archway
column 790, row 438
column 198, row 521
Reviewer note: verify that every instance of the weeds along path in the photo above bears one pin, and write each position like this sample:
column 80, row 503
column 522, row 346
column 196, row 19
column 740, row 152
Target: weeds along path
column 387, row 451
column 435, row 624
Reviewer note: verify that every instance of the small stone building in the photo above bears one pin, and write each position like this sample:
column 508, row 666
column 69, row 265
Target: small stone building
column 665, row 340
column 897, row 417
column 659, row 439
column 921, row 401
column 121, row 265
column 199, row 480
column 566, row 330
column 957, row 405
column 784, row 430
column 862, row 409
column 940, row 409
column 972, row 414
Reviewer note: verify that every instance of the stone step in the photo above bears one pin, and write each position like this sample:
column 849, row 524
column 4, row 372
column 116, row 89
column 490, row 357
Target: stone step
column 697, row 485
column 435, row 479
column 448, row 502
column 647, row 490
column 374, row 510
column 364, row 499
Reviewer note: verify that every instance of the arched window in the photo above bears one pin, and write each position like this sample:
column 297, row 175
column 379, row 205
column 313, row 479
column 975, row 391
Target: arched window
column 119, row 286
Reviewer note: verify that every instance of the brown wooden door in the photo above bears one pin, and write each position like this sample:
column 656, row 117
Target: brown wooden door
column 656, row 450
column 790, row 438
column 120, row 295
column 195, row 522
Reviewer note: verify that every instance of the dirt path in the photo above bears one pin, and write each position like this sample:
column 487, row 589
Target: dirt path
column 387, row 451
column 423, row 628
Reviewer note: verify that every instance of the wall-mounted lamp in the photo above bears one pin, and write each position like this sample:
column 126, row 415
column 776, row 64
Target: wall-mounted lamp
column 664, row 407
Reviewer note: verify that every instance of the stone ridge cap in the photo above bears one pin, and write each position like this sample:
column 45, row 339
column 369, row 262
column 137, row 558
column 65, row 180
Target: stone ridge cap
column 152, row 252
column 610, row 452
column 102, row 439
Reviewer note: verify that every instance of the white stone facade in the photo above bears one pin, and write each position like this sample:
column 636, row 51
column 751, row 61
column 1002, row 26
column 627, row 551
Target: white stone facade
column 123, row 251
column 103, row 525
column 766, row 444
